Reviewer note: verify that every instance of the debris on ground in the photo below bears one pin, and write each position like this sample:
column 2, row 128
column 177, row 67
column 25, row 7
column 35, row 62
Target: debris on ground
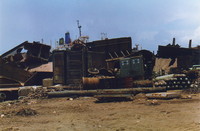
column 186, row 96
column 140, row 98
column 11, row 129
column 26, row 112
column 34, row 93
column 38, row 93
column 22, row 111
column 152, row 102
column 163, row 95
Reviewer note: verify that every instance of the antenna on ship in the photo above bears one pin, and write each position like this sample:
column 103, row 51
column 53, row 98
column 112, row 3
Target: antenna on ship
column 79, row 27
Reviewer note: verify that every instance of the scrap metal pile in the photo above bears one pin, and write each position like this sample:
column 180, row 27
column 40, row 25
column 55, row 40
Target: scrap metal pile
column 17, row 64
column 105, row 68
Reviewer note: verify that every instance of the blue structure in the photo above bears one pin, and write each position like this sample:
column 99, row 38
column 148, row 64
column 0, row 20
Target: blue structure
column 67, row 38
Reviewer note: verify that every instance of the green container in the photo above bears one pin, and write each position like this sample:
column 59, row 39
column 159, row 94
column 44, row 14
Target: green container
column 132, row 67
column 125, row 67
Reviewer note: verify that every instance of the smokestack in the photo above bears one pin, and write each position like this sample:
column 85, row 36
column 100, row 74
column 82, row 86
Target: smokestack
column 174, row 41
column 190, row 44
column 137, row 45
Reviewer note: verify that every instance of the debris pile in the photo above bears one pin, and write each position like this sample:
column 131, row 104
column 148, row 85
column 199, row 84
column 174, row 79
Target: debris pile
column 152, row 102
column 38, row 93
column 26, row 112
column 105, row 68
column 26, row 64
column 194, row 87
column 32, row 92
column 17, row 110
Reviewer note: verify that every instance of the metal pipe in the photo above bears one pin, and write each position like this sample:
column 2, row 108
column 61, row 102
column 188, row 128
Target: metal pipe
column 71, row 92
column 104, row 91
column 168, row 77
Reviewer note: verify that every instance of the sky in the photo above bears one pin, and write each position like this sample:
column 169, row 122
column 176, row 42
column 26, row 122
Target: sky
column 148, row 22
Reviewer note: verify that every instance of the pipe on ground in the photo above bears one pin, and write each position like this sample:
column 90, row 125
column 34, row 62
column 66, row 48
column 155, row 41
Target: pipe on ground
column 104, row 91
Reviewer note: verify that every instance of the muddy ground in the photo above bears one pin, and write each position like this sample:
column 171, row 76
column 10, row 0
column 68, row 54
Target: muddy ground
column 85, row 114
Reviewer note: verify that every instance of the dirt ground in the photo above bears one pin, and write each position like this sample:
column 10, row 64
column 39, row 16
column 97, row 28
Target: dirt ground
column 85, row 114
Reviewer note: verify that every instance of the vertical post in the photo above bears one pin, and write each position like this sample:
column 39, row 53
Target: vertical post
column 79, row 27
column 190, row 44
column 174, row 41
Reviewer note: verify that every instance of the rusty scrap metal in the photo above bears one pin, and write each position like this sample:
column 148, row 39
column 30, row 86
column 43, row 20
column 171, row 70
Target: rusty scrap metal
column 27, row 54
column 111, row 47
column 15, row 63
column 14, row 73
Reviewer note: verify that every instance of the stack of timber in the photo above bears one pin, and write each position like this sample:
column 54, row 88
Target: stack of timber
column 172, row 81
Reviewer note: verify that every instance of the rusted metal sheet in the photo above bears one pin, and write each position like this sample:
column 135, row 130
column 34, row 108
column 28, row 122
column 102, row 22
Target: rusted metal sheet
column 27, row 55
column 113, row 48
column 14, row 73
column 186, row 57
column 70, row 66
column 15, row 62
column 59, row 65
column 96, row 60
column 91, row 83
column 37, row 78
column 48, row 67
column 185, row 62
column 75, row 66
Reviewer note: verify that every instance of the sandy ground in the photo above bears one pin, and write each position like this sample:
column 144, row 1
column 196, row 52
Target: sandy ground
column 84, row 114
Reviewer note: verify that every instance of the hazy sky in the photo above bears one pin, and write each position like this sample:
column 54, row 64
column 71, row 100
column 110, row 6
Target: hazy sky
column 149, row 22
